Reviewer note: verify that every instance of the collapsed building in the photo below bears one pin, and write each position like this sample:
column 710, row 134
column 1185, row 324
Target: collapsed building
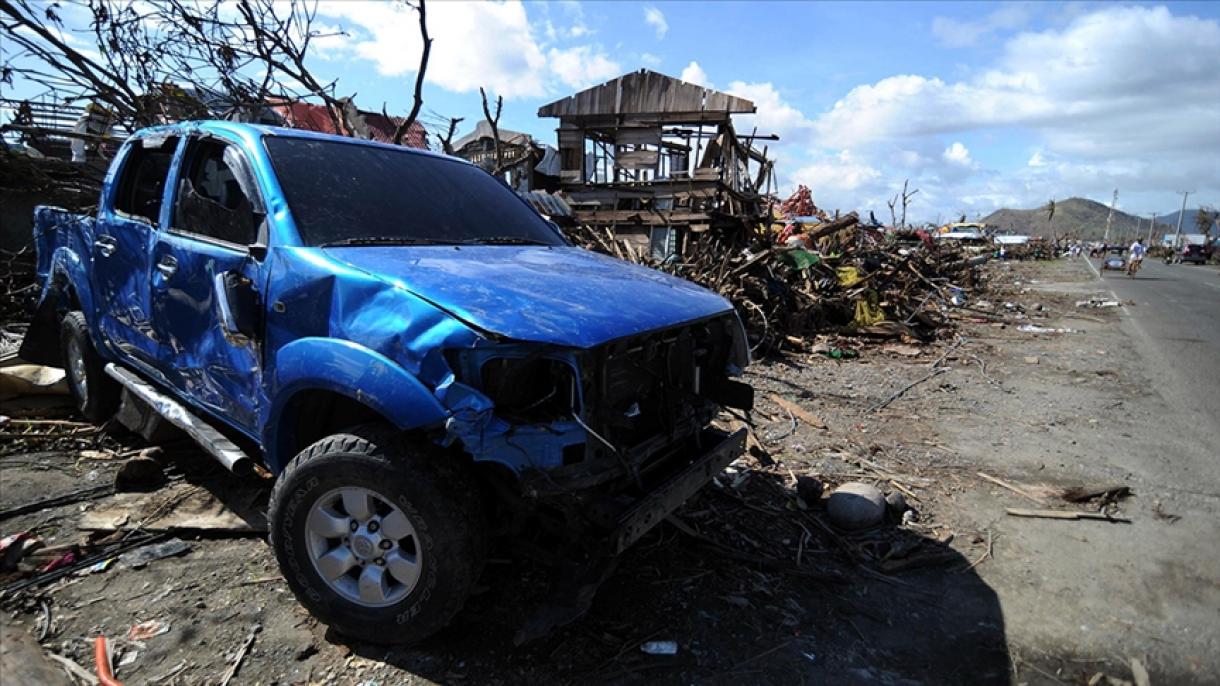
column 525, row 164
column 653, row 159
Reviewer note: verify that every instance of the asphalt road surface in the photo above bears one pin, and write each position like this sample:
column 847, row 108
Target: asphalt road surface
column 1176, row 323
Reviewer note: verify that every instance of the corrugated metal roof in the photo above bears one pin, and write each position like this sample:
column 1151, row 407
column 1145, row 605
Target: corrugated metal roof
column 310, row 117
column 483, row 130
column 644, row 92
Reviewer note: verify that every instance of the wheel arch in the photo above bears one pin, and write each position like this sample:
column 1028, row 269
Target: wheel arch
column 334, row 384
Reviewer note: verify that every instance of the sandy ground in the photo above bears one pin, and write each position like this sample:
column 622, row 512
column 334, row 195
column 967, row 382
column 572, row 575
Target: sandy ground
column 752, row 587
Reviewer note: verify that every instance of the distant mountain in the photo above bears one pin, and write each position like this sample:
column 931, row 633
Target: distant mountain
column 1076, row 217
column 1188, row 221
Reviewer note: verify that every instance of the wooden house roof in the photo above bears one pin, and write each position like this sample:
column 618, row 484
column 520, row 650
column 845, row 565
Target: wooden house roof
column 646, row 92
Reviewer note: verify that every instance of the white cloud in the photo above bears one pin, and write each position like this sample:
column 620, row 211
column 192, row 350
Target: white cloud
column 1114, row 68
column 1122, row 96
column 331, row 42
column 832, row 176
column 775, row 115
column 958, row 154
column 513, row 64
column 581, row 66
column 656, row 19
column 693, row 73
column 650, row 59
column 526, row 59
column 65, row 36
column 956, row 33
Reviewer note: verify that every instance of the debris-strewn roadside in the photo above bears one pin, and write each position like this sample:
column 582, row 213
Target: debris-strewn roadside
column 752, row 580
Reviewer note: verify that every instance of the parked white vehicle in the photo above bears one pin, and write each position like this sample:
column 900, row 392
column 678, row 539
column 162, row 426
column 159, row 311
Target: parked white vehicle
column 962, row 232
column 1011, row 239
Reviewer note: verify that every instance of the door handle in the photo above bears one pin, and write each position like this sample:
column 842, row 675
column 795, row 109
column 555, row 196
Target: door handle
column 106, row 245
column 167, row 267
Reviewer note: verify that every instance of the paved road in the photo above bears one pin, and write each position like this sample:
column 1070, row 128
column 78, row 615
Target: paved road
column 1176, row 323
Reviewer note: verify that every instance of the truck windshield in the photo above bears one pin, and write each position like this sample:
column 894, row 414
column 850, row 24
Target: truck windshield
column 349, row 194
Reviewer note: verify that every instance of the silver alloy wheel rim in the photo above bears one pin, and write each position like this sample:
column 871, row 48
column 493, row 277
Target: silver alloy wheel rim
column 363, row 546
column 76, row 370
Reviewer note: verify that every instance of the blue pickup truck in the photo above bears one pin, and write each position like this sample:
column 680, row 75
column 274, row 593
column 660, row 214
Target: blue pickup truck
column 422, row 361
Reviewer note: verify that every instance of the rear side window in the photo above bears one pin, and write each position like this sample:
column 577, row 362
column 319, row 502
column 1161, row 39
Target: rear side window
column 216, row 197
column 141, row 183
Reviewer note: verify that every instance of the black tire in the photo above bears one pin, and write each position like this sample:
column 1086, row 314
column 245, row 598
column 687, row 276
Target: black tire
column 437, row 494
column 96, row 396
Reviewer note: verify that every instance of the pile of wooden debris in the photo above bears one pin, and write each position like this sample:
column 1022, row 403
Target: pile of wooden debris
column 834, row 276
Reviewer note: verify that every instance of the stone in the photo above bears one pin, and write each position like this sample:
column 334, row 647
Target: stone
column 856, row 505
column 896, row 502
column 1031, row 360
column 809, row 489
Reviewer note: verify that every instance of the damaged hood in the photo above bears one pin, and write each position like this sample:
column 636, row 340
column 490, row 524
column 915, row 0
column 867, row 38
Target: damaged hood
column 561, row 295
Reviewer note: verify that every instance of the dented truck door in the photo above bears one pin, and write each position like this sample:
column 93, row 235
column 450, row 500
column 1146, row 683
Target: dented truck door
column 206, row 282
column 122, row 242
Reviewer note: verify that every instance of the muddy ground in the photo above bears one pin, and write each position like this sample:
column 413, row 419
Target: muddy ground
column 752, row 586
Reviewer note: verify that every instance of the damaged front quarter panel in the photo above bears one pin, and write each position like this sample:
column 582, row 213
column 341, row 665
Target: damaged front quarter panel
column 345, row 331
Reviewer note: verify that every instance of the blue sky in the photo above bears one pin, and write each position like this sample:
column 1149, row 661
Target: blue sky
column 981, row 105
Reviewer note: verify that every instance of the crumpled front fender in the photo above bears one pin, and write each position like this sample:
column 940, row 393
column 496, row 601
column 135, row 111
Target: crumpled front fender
column 352, row 370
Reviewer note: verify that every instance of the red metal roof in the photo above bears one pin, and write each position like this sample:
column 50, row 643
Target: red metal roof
column 311, row 117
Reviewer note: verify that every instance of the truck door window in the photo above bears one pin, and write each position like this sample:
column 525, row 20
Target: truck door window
column 216, row 197
column 141, row 183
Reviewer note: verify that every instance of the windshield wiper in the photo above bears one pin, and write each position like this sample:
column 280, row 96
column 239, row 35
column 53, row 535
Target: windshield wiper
column 505, row 240
column 385, row 240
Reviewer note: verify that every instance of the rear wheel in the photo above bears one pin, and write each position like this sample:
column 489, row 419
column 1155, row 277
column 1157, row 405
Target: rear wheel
column 378, row 538
column 95, row 394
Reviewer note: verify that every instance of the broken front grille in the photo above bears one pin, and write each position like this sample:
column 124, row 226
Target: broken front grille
column 645, row 392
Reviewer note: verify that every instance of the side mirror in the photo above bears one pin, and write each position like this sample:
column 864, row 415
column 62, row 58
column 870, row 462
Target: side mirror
column 258, row 251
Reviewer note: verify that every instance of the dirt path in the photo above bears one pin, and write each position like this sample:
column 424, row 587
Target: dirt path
column 752, row 587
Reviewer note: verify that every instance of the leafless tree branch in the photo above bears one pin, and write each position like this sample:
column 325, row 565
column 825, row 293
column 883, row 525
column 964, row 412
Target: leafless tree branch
column 494, row 122
column 405, row 126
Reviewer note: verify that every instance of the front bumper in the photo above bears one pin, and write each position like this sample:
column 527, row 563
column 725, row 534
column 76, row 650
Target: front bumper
column 641, row 516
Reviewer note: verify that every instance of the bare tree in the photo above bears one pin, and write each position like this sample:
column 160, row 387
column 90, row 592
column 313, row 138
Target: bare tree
column 905, row 198
column 447, row 139
column 494, row 122
column 170, row 58
column 405, row 126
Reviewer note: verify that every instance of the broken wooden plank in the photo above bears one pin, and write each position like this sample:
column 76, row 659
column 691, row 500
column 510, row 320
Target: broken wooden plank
column 799, row 412
column 1065, row 514
column 1012, row 487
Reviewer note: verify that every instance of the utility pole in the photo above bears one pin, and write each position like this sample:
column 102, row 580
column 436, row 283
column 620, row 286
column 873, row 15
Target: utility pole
column 1151, row 225
column 1105, row 239
column 1177, row 235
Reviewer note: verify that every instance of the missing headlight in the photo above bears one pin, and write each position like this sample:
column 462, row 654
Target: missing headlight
column 530, row 390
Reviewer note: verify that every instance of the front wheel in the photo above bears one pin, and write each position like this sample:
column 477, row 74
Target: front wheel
column 378, row 538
